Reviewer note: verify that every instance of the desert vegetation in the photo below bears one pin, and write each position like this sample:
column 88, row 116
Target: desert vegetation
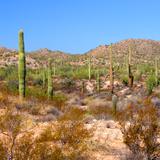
column 58, row 106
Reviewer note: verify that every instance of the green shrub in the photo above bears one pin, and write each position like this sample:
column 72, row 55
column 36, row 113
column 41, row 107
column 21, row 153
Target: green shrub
column 10, row 73
column 138, row 75
column 124, row 79
column 12, row 86
column 145, row 68
column 150, row 83
column 36, row 92
column 2, row 74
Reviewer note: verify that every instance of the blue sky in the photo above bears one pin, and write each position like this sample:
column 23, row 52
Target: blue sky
column 77, row 26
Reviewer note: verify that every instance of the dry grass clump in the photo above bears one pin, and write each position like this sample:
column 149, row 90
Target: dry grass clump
column 59, row 101
column 100, row 109
column 3, row 100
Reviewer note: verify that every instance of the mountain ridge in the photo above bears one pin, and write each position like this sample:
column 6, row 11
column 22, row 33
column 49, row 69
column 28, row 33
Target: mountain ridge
column 144, row 50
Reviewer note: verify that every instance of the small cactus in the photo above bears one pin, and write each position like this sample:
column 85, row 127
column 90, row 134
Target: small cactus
column 54, row 69
column 50, row 85
column 98, row 81
column 44, row 79
column 156, row 71
column 114, row 104
column 89, row 68
column 130, row 75
column 21, row 65
column 111, row 69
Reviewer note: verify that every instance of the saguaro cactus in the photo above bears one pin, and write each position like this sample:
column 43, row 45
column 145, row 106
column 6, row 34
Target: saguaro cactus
column 114, row 103
column 156, row 71
column 89, row 68
column 44, row 78
column 130, row 75
column 98, row 81
column 111, row 69
column 50, row 85
column 54, row 68
column 21, row 65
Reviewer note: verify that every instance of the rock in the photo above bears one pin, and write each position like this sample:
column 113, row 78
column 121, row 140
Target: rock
column 89, row 87
column 124, row 92
column 54, row 111
column 156, row 101
column 105, row 130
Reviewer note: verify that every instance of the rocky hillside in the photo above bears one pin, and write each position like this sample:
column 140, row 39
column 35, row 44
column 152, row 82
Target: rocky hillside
column 44, row 54
column 142, row 51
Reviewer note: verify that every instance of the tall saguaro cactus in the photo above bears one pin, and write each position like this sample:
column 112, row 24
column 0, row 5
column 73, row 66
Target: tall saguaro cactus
column 89, row 68
column 21, row 65
column 111, row 69
column 130, row 75
column 50, row 85
column 114, row 104
column 44, row 78
column 98, row 81
column 54, row 68
column 156, row 71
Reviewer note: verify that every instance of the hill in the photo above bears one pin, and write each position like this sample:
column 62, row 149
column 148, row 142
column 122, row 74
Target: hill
column 142, row 51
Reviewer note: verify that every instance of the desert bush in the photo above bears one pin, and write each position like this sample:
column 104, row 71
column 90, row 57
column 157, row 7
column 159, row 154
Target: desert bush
column 11, row 73
column 141, row 129
column 150, row 83
column 73, row 114
column 124, row 79
column 65, row 71
column 145, row 68
column 68, row 84
column 12, row 86
column 63, row 139
column 100, row 109
column 36, row 92
column 4, row 101
column 2, row 74
column 138, row 75
column 59, row 100
column 81, row 73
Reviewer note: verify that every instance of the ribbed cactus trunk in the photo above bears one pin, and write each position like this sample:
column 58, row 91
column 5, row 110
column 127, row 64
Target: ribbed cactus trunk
column 21, row 65
column 156, row 71
column 44, row 78
column 89, row 68
column 130, row 75
column 50, row 85
column 54, row 69
column 98, row 82
column 111, row 69
column 114, row 104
